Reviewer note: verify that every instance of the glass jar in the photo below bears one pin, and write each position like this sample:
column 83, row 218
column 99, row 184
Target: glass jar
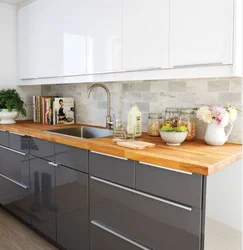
column 187, row 118
column 154, row 124
column 171, row 116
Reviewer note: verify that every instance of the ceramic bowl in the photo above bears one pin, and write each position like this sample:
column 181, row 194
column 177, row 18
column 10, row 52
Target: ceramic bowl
column 173, row 138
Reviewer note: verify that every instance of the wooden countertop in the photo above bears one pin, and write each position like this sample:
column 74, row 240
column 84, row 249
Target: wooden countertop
column 195, row 157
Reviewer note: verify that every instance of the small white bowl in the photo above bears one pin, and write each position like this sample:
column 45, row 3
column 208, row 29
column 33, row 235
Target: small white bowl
column 173, row 138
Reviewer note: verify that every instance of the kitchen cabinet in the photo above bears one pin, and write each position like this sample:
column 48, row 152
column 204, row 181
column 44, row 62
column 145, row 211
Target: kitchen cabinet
column 145, row 34
column 4, row 138
column 40, row 40
column 169, row 225
column 201, row 32
column 43, row 204
column 72, row 208
column 14, row 182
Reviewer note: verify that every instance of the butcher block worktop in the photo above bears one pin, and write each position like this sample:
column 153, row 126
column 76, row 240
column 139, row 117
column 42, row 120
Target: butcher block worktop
column 195, row 157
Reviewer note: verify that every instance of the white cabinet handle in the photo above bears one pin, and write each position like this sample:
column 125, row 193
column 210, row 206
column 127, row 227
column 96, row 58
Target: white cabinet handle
column 97, row 224
column 170, row 169
column 143, row 69
column 12, row 150
column 15, row 182
column 143, row 194
column 198, row 65
column 113, row 156
column 53, row 164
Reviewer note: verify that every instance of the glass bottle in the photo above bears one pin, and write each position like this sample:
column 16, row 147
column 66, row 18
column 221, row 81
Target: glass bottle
column 154, row 124
column 171, row 116
column 187, row 118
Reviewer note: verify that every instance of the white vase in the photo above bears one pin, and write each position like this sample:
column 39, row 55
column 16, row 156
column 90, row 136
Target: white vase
column 216, row 135
column 7, row 117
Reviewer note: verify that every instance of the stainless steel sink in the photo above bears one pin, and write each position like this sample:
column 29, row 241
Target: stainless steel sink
column 83, row 132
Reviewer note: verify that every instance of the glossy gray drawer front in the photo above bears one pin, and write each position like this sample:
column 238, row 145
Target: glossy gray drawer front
column 72, row 157
column 150, row 221
column 41, row 148
column 115, row 169
column 4, row 138
column 19, row 142
column 103, row 238
column 177, row 186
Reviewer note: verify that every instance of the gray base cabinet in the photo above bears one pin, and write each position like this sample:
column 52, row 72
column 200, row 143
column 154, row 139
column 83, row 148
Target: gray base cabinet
column 72, row 209
column 151, row 221
column 43, row 204
column 14, row 182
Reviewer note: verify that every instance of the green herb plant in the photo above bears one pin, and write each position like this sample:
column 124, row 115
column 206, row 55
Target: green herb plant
column 10, row 99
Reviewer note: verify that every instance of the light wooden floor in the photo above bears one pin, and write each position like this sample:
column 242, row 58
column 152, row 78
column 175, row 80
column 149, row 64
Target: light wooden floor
column 16, row 236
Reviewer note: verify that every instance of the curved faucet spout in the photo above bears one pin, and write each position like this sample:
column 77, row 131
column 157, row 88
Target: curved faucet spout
column 108, row 117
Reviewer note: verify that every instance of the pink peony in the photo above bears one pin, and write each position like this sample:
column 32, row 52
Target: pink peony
column 218, row 113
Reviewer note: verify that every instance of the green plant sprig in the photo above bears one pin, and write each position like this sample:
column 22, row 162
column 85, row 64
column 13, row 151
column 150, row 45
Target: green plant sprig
column 10, row 99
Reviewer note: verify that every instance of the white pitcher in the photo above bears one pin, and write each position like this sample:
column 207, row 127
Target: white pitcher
column 216, row 135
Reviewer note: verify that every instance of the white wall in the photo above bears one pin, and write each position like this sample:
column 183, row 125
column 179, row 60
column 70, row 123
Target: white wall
column 7, row 45
column 224, row 196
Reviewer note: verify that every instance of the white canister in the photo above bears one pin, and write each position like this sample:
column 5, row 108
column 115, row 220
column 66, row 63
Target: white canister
column 135, row 120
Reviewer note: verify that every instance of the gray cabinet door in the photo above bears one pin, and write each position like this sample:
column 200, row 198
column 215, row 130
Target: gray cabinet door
column 43, row 205
column 112, row 168
column 41, row 148
column 72, row 157
column 72, row 209
column 19, row 142
column 4, row 138
column 149, row 220
column 104, row 238
column 14, row 183
column 185, row 188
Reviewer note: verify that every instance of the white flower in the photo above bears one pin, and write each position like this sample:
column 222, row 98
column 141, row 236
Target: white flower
column 204, row 114
column 225, row 121
column 232, row 114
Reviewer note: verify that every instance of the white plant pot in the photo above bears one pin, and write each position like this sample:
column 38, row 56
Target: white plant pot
column 7, row 117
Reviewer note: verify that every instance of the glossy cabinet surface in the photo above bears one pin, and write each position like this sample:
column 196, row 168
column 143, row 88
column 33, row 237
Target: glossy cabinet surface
column 14, row 183
column 43, row 205
column 19, row 142
column 118, row 170
column 128, row 212
column 4, row 138
column 72, row 209
column 145, row 34
column 201, row 32
column 41, row 148
column 185, row 188
column 72, row 157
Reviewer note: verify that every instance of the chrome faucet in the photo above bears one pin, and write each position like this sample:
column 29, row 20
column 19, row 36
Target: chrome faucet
column 108, row 117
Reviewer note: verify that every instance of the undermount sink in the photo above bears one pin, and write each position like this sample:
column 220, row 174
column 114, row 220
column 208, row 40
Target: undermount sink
column 83, row 132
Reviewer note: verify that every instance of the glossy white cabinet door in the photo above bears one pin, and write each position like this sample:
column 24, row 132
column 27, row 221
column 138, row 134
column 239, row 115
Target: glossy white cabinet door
column 145, row 34
column 74, row 36
column 103, row 19
column 50, row 35
column 29, row 41
column 201, row 32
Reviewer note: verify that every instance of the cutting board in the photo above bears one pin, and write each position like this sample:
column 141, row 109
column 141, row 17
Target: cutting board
column 135, row 144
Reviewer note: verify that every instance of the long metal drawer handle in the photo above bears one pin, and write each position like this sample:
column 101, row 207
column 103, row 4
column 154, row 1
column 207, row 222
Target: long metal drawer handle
column 143, row 194
column 198, row 65
column 13, row 133
column 119, row 235
column 117, row 157
column 53, row 164
column 12, row 150
column 3, row 130
column 170, row 169
column 15, row 182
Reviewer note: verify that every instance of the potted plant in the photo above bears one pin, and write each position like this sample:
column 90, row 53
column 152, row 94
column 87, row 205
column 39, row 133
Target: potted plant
column 11, row 105
column 217, row 117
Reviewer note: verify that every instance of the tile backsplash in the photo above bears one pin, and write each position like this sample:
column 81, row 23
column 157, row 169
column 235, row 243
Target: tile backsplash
column 152, row 96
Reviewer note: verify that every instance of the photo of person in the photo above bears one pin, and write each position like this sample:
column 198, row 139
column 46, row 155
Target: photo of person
column 64, row 110
column 61, row 111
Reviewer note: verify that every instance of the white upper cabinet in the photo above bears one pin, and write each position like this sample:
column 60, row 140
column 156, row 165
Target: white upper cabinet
column 145, row 33
column 103, row 23
column 201, row 32
column 39, row 40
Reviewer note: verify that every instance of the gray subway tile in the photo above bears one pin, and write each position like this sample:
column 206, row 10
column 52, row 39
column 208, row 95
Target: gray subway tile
column 133, row 97
column 102, row 105
column 230, row 98
column 236, row 85
column 218, row 85
column 143, row 106
column 151, row 97
column 177, row 86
